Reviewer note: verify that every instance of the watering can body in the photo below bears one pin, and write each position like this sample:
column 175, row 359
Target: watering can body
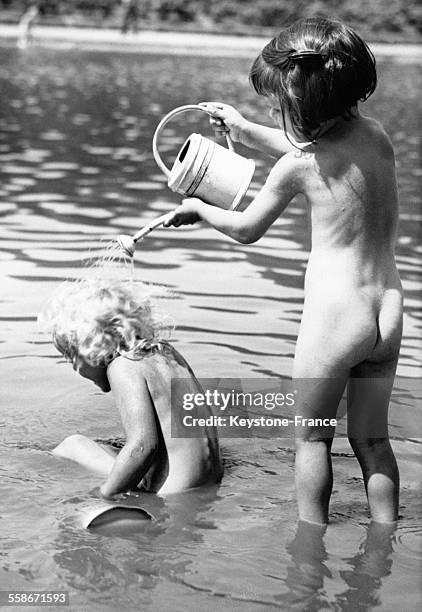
column 206, row 170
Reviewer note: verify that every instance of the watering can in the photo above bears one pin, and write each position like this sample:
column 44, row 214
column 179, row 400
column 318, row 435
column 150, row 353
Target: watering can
column 113, row 519
column 204, row 169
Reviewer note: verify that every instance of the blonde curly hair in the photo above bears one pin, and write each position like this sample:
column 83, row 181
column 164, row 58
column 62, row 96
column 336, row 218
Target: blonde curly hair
column 100, row 319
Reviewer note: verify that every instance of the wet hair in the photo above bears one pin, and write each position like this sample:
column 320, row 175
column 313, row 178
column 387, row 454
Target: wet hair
column 100, row 319
column 318, row 69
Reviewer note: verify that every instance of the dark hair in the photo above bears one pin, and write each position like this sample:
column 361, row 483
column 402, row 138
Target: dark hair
column 318, row 69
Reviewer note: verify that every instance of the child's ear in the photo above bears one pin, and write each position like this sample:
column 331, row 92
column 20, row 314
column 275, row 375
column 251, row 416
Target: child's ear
column 274, row 113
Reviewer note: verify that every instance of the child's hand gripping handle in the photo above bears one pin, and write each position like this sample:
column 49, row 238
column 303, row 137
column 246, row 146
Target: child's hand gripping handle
column 163, row 123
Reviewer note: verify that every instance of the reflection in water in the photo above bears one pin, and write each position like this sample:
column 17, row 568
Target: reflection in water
column 307, row 573
column 369, row 567
column 130, row 567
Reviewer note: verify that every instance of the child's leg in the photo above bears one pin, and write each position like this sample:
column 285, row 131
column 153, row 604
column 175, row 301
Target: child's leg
column 314, row 479
column 332, row 338
column 87, row 453
column 368, row 401
column 317, row 398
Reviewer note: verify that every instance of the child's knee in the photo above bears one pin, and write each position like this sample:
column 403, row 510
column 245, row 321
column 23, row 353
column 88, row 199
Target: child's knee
column 373, row 453
column 68, row 445
column 368, row 445
column 313, row 442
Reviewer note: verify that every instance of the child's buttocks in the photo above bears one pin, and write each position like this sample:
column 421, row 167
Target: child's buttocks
column 350, row 324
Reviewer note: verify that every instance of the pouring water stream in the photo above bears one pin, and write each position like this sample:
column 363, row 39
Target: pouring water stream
column 128, row 243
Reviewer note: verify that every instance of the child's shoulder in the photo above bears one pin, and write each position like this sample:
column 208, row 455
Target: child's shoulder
column 161, row 356
column 376, row 134
column 290, row 168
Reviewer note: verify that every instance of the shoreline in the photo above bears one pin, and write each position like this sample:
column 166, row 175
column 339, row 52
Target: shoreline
column 176, row 43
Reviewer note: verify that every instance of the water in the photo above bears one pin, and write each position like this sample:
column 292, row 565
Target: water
column 76, row 169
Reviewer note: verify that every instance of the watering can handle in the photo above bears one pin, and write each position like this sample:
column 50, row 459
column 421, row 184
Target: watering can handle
column 163, row 123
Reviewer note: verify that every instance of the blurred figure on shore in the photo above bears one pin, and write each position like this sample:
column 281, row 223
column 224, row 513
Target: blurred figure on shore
column 26, row 22
column 130, row 16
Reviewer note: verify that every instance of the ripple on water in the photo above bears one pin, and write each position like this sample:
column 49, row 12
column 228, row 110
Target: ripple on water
column 17, row 169
column 161, row 205
column 29, row 222
column 13, row 128
column 98, row 150
column 143, row 185
column 50, row 175
column 81, row 119
column 24, row 182
column 135, row 222
column 59, row 166
column 40, row 197
column 31, row 155
column 408, row 550
column 404, row 240
column 7, row 207
column 11, row 187
column 161, row 178
column 6, row 256
column 89, row 170
column 412, row 285
column 35, row 110
column 410, row 539
column 63, row 254
column 53, row 135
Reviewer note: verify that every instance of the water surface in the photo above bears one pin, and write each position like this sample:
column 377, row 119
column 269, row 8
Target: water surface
column 76, row 167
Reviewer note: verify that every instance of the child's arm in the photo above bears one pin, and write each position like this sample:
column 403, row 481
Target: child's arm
column 282, row 184
column 253, row 135
column 138, row 419
column 266, row 139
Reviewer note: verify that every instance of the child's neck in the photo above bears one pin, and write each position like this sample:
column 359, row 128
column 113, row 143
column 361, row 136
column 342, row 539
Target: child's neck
column 335, row 125
column 331, row 128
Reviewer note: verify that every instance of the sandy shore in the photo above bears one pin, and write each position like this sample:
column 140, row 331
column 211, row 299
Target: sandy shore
column 171, row 42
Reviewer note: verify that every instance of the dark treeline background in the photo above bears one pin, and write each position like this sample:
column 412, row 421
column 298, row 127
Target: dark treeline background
column 377, row 20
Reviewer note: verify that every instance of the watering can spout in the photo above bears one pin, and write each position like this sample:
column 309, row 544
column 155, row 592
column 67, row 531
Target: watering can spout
column 128, row 243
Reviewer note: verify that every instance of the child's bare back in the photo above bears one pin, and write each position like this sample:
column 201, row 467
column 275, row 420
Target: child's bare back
column 179, row 463
column 353, row 302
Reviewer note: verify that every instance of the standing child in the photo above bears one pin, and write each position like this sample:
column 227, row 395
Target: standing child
column 313, row 74
column 112, row 335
